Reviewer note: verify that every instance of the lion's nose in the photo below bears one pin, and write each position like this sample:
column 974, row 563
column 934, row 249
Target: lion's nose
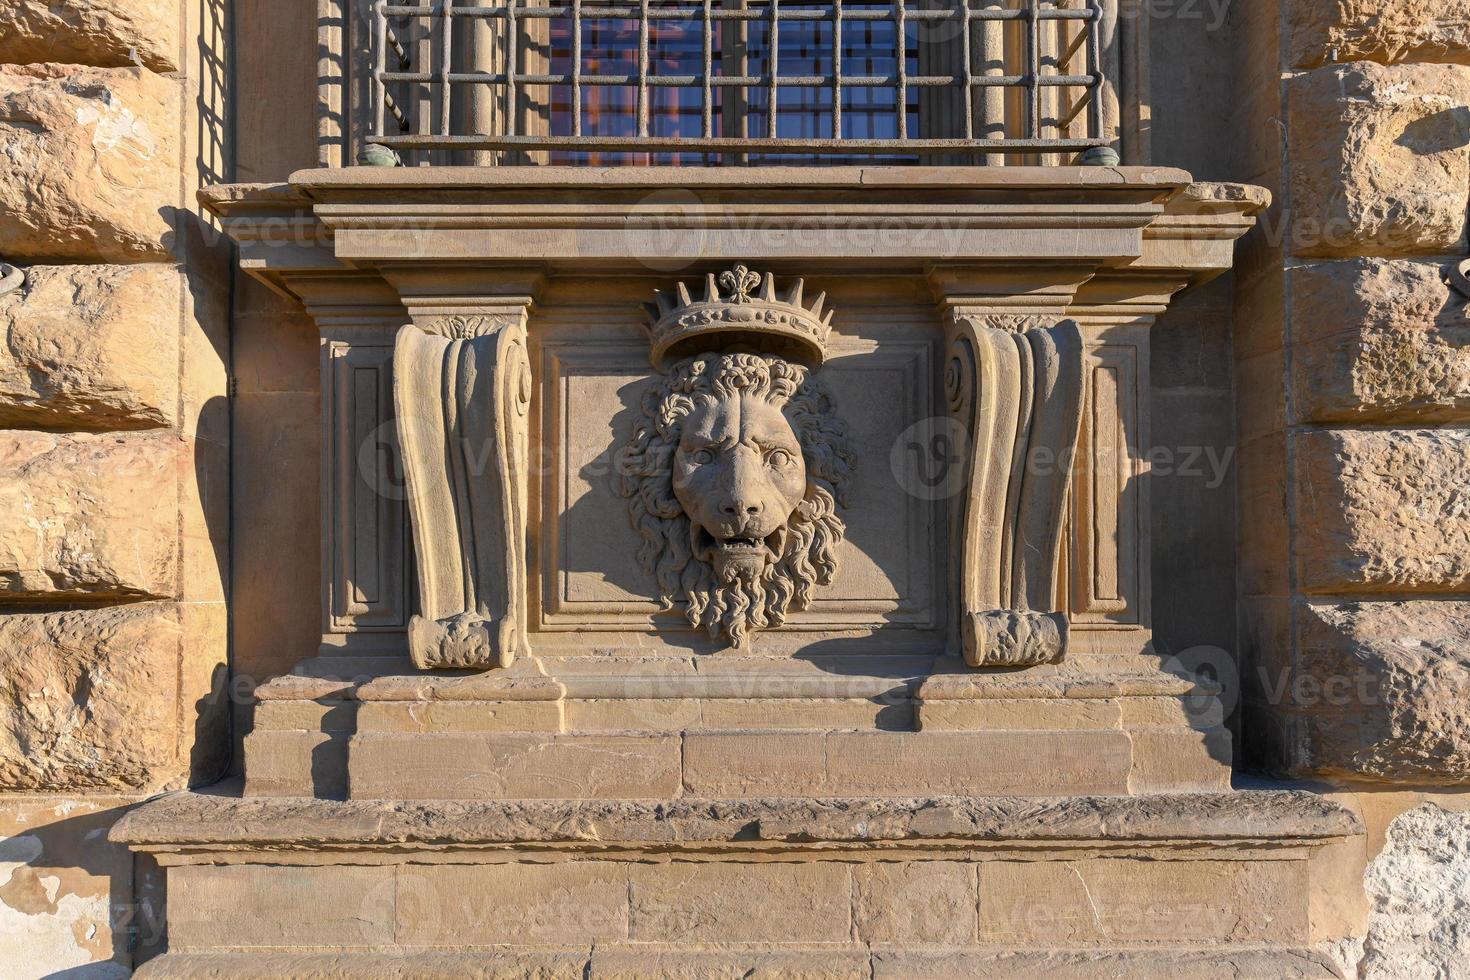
column 740, row 508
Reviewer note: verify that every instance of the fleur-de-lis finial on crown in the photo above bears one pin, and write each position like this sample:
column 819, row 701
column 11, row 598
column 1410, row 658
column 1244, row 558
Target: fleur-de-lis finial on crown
column 741, row 282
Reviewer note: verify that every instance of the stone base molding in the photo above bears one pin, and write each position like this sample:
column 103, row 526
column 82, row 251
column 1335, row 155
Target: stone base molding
column 638, row 961
column 851, row 887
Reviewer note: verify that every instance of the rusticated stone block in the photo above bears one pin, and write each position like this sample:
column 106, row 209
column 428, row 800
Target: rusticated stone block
column 88, row 516
column 91, row 347
column 1382, row 690
column 1383, row 510
column 1379, row 341
column 1378, row 30
column 89, row 163
column 1380, row 159
column 88, row 698
column 91, row 32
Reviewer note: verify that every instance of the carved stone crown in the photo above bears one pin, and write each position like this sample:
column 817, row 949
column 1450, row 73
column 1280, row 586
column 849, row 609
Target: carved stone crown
column 739, row 309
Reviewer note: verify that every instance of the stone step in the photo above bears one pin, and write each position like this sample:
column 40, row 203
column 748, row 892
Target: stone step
column 738, row 727
column 1179, row 884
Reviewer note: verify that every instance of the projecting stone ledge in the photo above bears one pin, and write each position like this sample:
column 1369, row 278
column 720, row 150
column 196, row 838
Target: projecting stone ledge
column 189, row 821
column 606, row 962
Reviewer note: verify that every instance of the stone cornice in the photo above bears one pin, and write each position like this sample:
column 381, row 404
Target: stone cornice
column 1146, row 232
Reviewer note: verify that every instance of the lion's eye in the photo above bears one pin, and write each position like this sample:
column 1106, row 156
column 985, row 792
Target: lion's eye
column 703, row 457
column 779, row 457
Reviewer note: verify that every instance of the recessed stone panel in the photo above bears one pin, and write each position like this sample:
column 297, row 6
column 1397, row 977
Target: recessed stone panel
column 887, row 568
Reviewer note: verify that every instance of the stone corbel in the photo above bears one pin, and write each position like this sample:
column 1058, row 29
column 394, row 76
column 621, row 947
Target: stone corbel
column 1015, row 386
column 462, row 390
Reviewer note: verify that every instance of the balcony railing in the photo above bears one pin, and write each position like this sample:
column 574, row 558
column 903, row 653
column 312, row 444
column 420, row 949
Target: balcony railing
column 727, row 81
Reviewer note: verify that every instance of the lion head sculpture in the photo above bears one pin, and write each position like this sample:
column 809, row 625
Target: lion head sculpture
column 733, row 480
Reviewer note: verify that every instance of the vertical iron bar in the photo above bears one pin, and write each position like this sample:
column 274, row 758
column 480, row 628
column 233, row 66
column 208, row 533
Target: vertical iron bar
column 1099, row 80
column 902, row 53
column 511, row 50
column 576, row 67
column 446, row 58
column 773, row 47
column 709, row 60
column 1033, row 80
column 380, row 65
column 837, row 69
column 642, row 67
column 968, row 68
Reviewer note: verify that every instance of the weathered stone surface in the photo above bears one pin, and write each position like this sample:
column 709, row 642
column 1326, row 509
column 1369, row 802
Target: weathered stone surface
column 91, row 32
column 88, row 516
column 91, row 347
column 90, row 163
column 920, row 902
column 529, row 765
column 1379, row 30
column 1385, row 690
column 1383, row 510
column 236, row 823
column 1380, row 159
column 337, row 905
column 823, row 963
column 1379, row 340
column 65, row 900
column 684, row 902
column 1420, row 889
column 89, row 698
column 1137, row 964
column 1090, row 901
column 557, row 903
column 266, row 964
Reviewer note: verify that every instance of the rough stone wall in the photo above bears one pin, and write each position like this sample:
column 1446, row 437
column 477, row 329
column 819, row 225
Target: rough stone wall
column 114, row 434
column 1354, row 389
column 1419, row 890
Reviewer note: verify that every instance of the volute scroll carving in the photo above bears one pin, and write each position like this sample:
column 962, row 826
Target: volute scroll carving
column 462, row 391
column 1015, row 384
column 739, row 465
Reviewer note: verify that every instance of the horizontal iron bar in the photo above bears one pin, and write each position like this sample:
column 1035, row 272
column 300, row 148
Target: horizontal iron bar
column 725, row 144
column 745, row 81
column 696, row 13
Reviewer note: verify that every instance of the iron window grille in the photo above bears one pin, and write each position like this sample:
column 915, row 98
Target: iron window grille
column 735, row 81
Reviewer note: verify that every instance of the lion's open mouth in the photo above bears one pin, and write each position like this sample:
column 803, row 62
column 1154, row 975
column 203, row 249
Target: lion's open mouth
column 709, row 548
